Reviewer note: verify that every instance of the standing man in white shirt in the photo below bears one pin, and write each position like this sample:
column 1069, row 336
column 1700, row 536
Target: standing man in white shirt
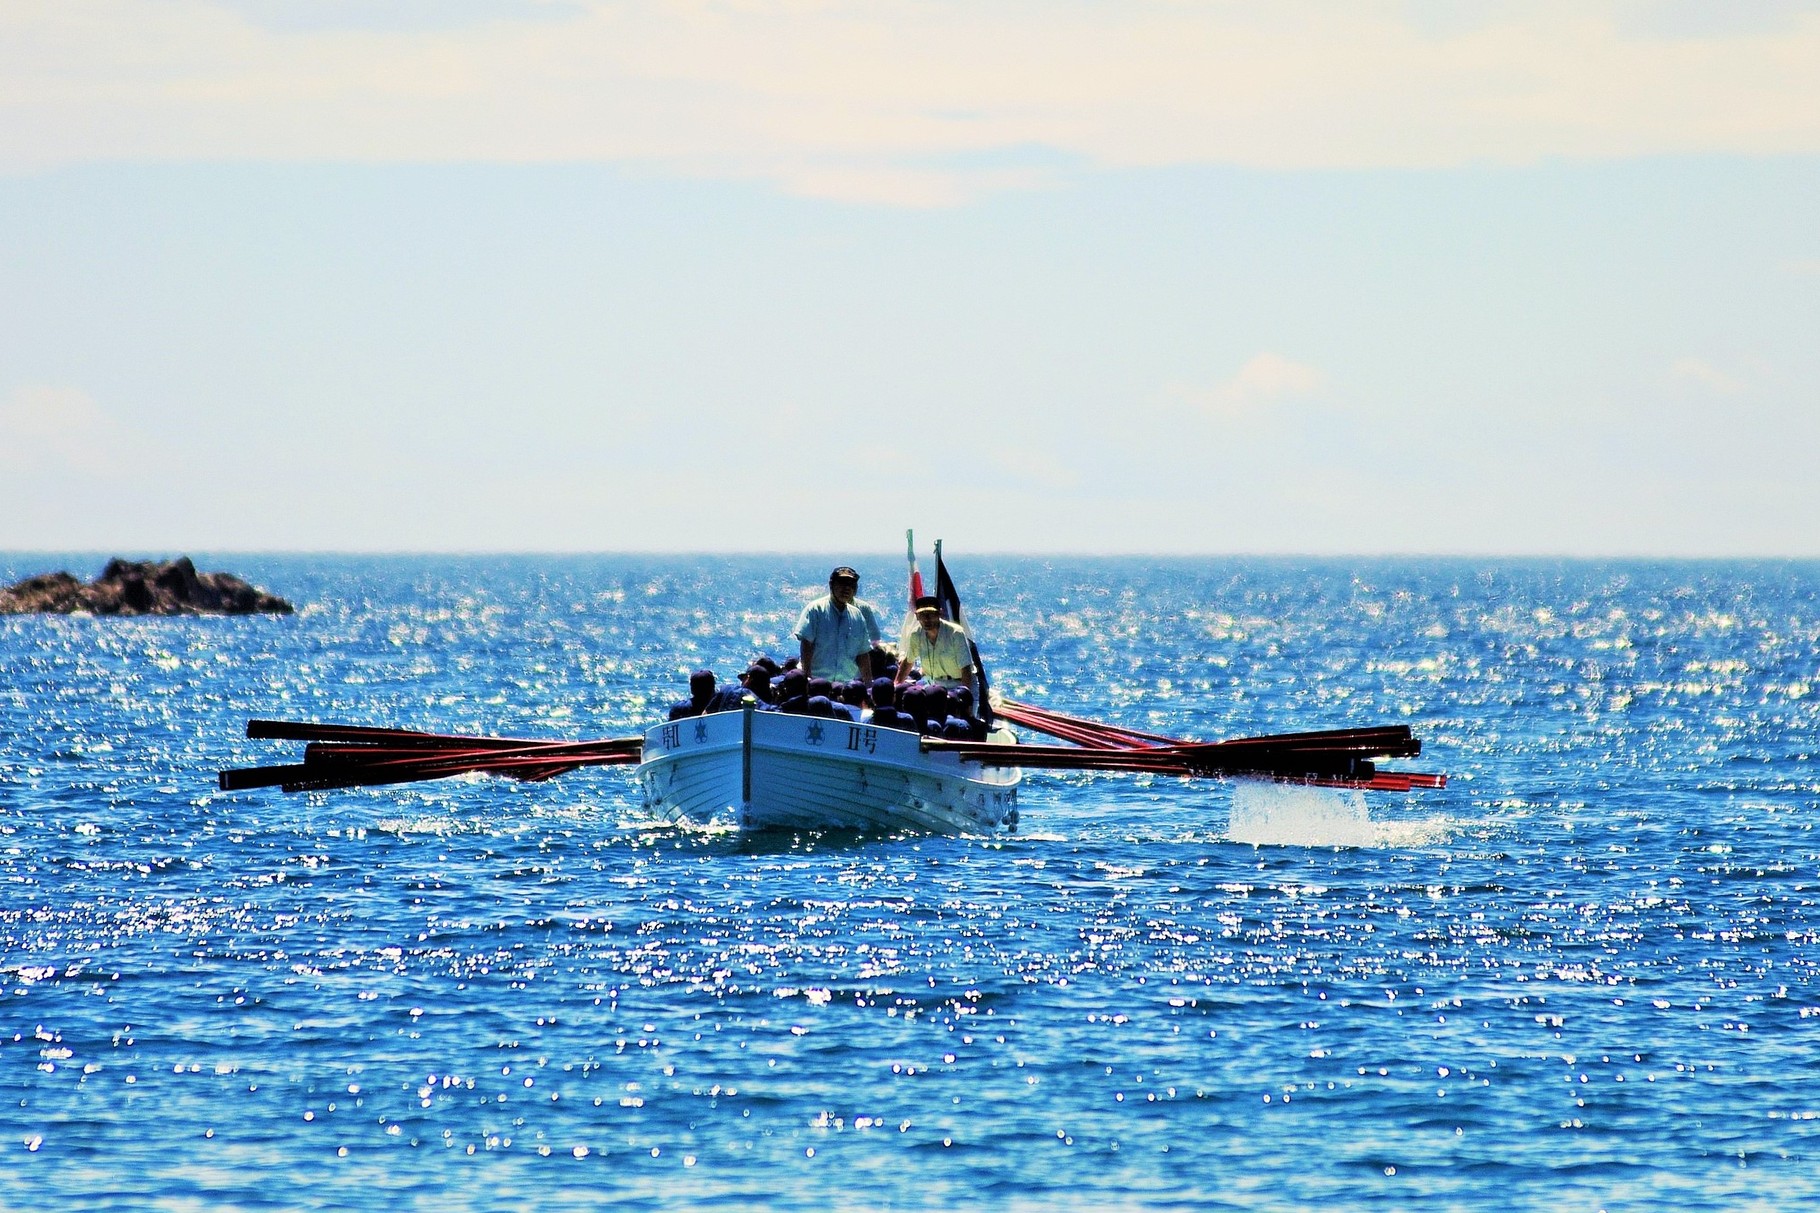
column 837, row 632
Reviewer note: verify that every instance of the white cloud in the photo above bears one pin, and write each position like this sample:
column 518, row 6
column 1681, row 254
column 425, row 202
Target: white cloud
column 893, row 99
column 1265, row 380
column 58, row 429
column 1703, row 374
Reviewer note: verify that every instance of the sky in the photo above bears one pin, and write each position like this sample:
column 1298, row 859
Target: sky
column 1361, row 277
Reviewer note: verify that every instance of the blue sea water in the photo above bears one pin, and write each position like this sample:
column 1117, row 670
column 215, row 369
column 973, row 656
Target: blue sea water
column 1582, row 976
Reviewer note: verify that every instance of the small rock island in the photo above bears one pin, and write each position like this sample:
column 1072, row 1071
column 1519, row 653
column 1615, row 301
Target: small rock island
column 141, row 587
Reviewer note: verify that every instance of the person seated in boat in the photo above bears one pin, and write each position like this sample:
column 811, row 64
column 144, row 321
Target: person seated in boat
column 882, row 692
column 884, row 662
column 926, row 707
column 891, row 718
column 757, row 679
column 701, row 692
column 704, row 698
column 790, row 691
column 829, row 708
column 938, row 646
column 913, row 704
column 837, row 631
column 883, row 697
column 960, row 706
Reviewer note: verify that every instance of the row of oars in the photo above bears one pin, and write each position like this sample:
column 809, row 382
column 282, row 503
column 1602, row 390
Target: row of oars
column 1080, row 732
column 1332, row 757
column 346, row 756
column 351, row 756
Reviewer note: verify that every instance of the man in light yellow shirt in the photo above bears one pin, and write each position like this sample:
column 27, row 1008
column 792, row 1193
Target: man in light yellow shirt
column 938, row 646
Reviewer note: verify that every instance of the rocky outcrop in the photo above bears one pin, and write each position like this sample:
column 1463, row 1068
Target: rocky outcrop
column 141, row 587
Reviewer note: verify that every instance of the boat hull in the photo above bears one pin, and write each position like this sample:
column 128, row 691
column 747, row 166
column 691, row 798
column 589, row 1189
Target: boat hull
column 774, row 771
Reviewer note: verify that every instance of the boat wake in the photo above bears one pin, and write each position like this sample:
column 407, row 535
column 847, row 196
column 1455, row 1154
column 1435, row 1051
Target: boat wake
column 1267, row 814
column 647, row 827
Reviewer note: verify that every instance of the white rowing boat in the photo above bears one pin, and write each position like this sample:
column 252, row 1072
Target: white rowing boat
column 771, row 770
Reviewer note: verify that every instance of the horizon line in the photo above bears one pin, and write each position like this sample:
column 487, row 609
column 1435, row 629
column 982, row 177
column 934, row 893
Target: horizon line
column 971, row 554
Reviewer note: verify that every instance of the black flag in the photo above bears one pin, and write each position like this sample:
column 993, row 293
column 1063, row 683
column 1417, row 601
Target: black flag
column 951, row 611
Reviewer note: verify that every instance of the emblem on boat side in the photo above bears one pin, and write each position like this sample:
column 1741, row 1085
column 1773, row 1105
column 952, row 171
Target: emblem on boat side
column 701, row 731
column 814, row 735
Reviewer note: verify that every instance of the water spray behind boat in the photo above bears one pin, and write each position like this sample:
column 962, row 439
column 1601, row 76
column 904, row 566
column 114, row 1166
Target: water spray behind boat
column 1266, row 813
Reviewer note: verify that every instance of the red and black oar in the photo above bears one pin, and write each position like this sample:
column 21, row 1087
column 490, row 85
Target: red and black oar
column 1076, row 729
column 1330, row 757
column 1331, row 768
column 342, row 756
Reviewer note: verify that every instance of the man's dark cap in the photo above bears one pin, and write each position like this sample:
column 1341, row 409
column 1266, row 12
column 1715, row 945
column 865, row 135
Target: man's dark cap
column 928, row 602
column 843, row 573
column 702, row 678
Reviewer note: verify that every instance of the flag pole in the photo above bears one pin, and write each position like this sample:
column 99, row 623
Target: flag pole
column 916, row 591
column 916, row 577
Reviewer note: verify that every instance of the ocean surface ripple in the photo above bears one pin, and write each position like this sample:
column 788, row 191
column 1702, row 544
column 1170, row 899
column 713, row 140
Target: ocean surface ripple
column 1582, row 976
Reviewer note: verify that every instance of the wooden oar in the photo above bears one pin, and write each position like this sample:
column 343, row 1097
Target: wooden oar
column 1077, row 730
column 526, row 766
column 361, row 756
column 1329, row 768
column 1201, row 759
column 1385, row 741
column 1396, row 740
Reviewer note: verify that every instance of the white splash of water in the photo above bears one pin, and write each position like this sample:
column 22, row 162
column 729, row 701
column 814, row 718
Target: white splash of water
column 1267, row 814
column 1295, row 815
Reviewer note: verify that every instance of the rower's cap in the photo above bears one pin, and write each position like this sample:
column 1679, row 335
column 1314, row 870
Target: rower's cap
column 928, row 602
column 701, row 680
column 843, row 573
